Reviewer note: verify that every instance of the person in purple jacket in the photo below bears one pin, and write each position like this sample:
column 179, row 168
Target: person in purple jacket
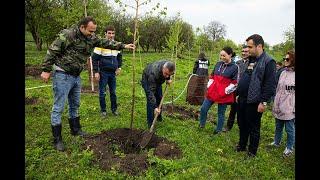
column 284, row 105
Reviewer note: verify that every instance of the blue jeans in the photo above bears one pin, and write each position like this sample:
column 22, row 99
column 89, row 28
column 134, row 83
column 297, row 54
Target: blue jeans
column 65, row 86
column 150, row 105
column 107, row 78
column 204, row 112
column 290, row 129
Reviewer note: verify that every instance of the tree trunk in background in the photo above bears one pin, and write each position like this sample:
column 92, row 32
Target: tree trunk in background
column 36, row 39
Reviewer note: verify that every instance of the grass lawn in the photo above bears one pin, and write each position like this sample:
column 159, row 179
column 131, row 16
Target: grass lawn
column 205, row 156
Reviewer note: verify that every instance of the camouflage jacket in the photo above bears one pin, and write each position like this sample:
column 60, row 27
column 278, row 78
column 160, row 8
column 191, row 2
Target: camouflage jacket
column 71, row 49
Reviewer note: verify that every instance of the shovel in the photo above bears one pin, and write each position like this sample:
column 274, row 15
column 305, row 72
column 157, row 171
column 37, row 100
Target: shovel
column 148, row 135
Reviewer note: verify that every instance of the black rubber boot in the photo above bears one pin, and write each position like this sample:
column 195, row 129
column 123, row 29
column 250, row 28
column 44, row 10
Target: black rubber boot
column 57, row 138
column 75, row 127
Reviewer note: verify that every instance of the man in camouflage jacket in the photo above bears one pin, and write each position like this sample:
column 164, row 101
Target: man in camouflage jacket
column 68, row 55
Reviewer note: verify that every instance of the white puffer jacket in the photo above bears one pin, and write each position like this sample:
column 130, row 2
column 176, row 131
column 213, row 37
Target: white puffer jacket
column 284, row 101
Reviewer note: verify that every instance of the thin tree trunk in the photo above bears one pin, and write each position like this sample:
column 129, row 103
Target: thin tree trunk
column 133, row 63
column 172, row 87
column 175, row 74
column 85, row 8
column 39, row 44
column 37, row 39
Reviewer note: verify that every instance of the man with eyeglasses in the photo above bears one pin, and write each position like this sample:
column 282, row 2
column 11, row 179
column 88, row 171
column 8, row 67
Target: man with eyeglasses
column 67, row 55
column 153, row 76
column 243, row 64
column 255, row 88
column 106, row 66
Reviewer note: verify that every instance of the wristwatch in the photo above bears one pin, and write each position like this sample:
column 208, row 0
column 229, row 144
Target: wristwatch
column 264, row 103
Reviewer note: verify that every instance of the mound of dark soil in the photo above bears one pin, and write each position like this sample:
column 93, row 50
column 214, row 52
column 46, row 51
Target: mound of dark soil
column 34, row 71
column 119, row 149
column 181, row 112
column 31, row 100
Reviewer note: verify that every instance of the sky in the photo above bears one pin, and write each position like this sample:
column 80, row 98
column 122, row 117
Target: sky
column 242, row 18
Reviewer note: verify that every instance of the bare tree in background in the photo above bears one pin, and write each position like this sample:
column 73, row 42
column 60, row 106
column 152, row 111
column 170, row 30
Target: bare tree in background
column 215, row 30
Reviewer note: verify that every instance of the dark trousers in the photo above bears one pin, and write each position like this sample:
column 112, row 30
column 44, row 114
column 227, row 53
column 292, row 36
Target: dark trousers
column 107, row 78
column 150, row 105
column 232, row 115
column 249, row 120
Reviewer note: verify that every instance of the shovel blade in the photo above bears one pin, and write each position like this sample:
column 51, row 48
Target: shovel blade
column 146, row 139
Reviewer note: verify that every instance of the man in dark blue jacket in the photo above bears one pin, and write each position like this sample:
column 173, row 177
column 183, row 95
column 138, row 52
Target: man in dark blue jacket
column 106, row 66
column 256, row 86
column 153, row 76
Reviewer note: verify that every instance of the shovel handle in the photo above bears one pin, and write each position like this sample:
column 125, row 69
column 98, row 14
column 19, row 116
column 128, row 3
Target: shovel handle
column 160, row 105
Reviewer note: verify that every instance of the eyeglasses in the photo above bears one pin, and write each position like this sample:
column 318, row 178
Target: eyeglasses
column 286, row 59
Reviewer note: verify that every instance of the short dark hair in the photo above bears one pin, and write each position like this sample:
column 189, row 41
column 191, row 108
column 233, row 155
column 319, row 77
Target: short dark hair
column 257, row 39
column 85, row 21
column 170, row 65
column 201, row 55
column 109, row 28
column 229, row 51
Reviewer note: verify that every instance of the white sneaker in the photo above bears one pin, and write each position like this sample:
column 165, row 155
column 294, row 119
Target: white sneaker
column 274, row 144
column 287, row 152
column 104, row 114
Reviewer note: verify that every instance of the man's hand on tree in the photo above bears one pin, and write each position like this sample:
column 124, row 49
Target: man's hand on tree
column 130, row 46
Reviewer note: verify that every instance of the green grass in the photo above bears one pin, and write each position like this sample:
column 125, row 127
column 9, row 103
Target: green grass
column 204, row 156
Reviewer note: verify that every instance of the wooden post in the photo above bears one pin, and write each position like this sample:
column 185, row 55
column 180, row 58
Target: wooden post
column 91, row 74
column 85, row 8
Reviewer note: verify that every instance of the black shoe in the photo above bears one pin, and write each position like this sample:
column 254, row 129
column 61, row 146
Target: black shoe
column 250, row 154
column 239, row 148
column 115, row 113
column 159, row 118
column 216, row 132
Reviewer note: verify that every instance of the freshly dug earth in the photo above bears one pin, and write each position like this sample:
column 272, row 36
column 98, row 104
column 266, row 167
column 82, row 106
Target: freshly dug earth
column 34, row 71
column 181, row 112
column 31, row 100
column 119, row 149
